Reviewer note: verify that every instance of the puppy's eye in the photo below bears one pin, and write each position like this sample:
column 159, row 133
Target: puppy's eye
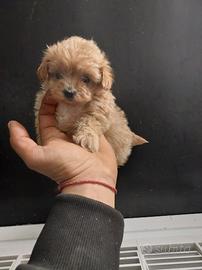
column 57, row 75
column 85, row 79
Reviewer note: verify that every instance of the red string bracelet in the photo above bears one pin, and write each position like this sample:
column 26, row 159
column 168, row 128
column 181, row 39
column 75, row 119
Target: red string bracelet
column 67, row 183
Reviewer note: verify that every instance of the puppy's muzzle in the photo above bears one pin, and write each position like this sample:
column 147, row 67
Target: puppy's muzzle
column 69, row 93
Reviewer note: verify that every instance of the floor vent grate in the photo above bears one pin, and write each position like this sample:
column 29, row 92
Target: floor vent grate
column 151, row 243
column 172, row 257
column 11, row 262
column 187, row 256
column 6, row 262
column 129, row 259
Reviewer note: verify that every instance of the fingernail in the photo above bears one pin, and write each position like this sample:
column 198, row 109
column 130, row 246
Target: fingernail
column 10, row 123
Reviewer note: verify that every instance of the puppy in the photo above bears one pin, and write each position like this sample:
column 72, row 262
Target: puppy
column 79, row 76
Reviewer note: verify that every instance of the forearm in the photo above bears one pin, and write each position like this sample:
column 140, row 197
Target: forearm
column 80, row 233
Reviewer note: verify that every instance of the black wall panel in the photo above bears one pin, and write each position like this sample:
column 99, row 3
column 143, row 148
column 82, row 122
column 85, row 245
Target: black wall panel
column 156, row 50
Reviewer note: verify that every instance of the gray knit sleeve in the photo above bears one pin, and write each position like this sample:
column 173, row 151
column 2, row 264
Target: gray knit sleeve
column 80, row 233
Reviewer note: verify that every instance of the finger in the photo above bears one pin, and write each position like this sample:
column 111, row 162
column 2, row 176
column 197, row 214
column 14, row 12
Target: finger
column 48, row 99
column 47, row 109
column 47, row 112
column 47, row 123
column 23, row 145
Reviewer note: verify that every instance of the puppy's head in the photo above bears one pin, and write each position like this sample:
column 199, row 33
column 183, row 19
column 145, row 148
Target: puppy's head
column 75, row 70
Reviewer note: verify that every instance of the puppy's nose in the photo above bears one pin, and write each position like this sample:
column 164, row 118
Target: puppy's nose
column 69, row 93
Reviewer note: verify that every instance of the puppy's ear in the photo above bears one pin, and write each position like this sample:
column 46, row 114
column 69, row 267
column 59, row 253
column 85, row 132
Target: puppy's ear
column 107, row 75
column 42, row 71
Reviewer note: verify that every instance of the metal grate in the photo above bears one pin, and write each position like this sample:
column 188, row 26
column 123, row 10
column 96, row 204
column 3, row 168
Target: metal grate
column 172, row 257
column 129, row 259
column 6, row 262
column 152, row 243
column 184, row 256
column 11, row 262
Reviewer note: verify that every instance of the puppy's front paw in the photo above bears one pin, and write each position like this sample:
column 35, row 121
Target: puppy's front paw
column 90, row 141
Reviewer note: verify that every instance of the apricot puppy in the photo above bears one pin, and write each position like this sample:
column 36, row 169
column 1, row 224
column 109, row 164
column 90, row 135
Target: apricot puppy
column 79, row 76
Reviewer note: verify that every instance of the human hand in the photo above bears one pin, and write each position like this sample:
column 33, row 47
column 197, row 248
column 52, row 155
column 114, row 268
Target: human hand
column 60, row 159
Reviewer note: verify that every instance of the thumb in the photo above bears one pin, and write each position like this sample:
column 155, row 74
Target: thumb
column 23, row 145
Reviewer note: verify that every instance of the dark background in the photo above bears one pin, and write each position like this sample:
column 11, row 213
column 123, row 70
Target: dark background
column 156, row 51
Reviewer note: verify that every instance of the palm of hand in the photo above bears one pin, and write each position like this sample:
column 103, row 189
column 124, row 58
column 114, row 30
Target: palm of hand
column 57, row 157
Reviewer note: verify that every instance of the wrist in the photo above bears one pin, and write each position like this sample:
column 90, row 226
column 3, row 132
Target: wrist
column 93, row 191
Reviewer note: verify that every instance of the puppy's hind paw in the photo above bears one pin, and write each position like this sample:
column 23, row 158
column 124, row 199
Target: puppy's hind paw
column 88, row 141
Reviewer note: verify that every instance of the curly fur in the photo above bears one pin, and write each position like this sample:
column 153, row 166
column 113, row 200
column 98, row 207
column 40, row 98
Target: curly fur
column 77, row 66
